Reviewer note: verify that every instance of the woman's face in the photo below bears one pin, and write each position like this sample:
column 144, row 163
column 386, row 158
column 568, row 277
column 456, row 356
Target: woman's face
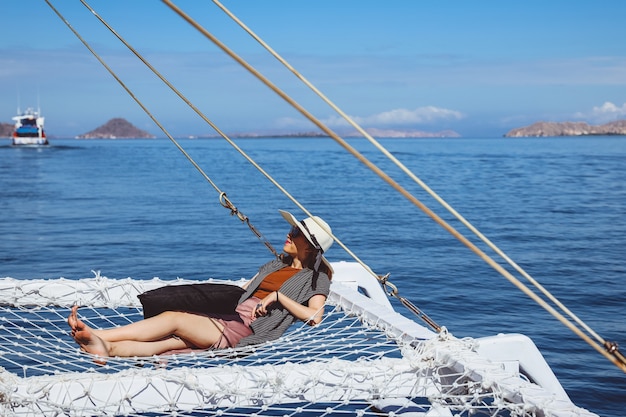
column 293, row 243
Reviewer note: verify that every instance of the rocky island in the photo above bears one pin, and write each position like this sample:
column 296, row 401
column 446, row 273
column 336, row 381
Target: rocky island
column 116, row 128
column 6, row 130
column 541, row 129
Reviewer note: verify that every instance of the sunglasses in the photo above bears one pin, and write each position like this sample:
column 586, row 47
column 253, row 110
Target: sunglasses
column 295, row 232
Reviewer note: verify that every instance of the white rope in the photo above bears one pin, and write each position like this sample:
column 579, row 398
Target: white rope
column 394, row 292
column 613, row 355
column 607, row 349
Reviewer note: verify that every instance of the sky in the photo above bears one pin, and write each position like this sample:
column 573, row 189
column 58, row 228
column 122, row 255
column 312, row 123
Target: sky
column 478, row 68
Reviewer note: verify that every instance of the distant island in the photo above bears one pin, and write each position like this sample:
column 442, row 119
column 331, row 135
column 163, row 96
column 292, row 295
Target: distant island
column 6, row 130
column 378, row 133
column 541, row 129
column 116, row 128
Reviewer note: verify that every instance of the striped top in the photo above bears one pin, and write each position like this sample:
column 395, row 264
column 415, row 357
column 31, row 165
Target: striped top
column 300, row 287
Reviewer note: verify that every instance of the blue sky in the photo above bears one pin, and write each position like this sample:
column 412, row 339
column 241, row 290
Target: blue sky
column 478, row 68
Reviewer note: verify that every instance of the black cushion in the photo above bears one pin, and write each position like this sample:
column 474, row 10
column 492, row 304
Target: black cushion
column 204, row 298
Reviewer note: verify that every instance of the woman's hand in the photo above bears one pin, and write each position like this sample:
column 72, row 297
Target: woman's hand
column 263, row 306
column 311, row 314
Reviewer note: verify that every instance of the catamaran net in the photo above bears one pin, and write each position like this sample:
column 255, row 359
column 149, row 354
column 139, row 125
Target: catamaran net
column 356, row 362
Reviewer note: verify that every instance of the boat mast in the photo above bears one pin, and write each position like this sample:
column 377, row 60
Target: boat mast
column 18, row 104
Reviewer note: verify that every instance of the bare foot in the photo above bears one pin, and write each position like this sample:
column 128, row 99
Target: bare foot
column 86, row 338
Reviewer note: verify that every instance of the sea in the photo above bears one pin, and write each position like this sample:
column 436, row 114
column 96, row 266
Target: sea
column 141, row 209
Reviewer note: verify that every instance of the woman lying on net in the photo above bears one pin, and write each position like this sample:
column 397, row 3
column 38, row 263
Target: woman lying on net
column 283, row 291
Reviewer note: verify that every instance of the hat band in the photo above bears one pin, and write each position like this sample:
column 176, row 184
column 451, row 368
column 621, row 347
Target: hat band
column 318, row 261
column 320, row 251
column 315, row 242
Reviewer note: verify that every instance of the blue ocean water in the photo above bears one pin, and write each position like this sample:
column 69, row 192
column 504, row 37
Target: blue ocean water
column 557, row 206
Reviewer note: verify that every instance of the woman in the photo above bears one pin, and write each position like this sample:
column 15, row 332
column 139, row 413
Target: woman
column 283, row 291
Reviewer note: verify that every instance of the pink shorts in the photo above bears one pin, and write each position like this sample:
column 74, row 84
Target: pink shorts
column 236, row 326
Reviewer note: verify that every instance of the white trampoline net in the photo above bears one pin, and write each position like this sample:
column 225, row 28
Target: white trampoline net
column 348, row 364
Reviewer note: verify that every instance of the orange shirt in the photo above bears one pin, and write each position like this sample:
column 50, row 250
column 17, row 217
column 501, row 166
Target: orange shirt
column 273, row 281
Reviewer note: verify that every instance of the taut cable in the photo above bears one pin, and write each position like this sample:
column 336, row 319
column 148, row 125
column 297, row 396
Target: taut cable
column 414, row 177
column 610, row 347
column 222, row 134
column 611, row 356
column 319, row 124
column 223, row 198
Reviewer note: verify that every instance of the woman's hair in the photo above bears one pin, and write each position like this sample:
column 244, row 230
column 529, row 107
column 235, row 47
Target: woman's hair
column 308, row 255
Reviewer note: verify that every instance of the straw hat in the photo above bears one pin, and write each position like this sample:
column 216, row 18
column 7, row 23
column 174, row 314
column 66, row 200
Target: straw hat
column 316, row 231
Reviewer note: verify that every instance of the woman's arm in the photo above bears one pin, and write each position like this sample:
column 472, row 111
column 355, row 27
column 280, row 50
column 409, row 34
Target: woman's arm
column 311, row 314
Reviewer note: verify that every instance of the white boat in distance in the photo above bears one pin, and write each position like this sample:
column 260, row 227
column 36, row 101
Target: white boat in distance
column 28, row 128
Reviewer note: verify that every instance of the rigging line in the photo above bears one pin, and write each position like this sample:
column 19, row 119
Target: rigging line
column 365, row 161
column 223, row 199
column 223, row 135
column 241, row 151
column 615, row 359
column 409, row 173
column 421, row 314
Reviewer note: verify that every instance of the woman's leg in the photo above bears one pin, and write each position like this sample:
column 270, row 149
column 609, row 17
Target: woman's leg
column 147, row 337
column 158, row 327
column 126, row 348
column 91, row 343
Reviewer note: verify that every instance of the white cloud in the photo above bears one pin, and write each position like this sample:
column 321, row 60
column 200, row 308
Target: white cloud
column 419, row 115
column 610, row 109
column 604, row 113
column 390, row 118
column 401, row 117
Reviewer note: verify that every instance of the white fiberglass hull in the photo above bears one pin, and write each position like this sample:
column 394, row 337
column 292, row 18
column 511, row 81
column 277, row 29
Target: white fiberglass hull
column 26, row 141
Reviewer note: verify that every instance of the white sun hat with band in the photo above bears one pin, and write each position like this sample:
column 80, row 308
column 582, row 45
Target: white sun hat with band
column 316, row 231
